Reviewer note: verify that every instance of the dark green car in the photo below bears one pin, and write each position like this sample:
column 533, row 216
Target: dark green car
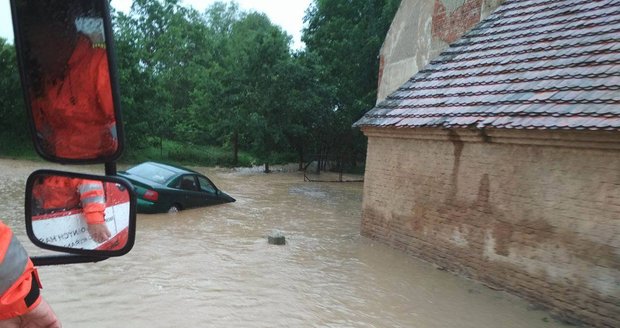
column 166, row 188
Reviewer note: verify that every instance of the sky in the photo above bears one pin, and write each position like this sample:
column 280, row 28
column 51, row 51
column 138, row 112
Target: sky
column 288, row 14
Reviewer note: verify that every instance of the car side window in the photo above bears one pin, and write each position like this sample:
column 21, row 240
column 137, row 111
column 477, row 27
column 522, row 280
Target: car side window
column 206, row 185
column 187, row 182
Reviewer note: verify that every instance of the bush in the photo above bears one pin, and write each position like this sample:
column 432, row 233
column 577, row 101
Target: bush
column 17, row 147
column 186, row 154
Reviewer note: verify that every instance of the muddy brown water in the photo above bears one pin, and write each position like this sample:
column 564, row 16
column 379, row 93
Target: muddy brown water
column 213, row 267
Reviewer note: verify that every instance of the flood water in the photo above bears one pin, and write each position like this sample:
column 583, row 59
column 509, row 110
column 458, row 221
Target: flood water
column 213, row 267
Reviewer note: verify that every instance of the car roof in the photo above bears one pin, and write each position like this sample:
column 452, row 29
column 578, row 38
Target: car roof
column 174, row 168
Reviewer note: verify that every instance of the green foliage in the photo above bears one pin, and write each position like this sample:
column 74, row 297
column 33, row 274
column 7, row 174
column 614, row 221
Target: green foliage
column 222, row 87
column 346, row 36
column 14, row 138
column 216, row 78
column 186, row 154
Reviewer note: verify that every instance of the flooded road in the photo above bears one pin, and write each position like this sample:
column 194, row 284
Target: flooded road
column 212, row 267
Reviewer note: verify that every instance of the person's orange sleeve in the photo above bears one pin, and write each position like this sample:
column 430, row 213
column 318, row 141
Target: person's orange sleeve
column 92, row 197
column 19, row 283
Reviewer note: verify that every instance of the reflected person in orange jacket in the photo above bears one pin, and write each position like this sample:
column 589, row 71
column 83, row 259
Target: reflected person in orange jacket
column 69, row 83
column 58, row 193
column 21, row 304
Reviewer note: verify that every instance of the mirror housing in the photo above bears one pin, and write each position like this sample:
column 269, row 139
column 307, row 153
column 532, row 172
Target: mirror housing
column 80, row 213
column 67, row 66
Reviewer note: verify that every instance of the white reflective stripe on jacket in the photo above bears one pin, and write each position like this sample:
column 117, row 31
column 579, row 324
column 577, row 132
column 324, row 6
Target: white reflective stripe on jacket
column 91, row 193
column 13, row 264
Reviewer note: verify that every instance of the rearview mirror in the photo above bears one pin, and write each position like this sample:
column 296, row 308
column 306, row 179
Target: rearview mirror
column 65, row 54
column 80, row 214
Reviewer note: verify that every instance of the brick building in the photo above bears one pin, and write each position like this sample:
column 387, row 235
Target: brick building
column 498, row 156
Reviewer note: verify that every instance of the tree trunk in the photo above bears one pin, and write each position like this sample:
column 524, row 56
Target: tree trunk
column 267, row 170
column 300, row 152
column 235, row 142
column 161, row 147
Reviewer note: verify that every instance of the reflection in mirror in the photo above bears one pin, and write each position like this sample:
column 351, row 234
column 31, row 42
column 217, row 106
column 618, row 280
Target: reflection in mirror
column 80, row 213
column 62, row 50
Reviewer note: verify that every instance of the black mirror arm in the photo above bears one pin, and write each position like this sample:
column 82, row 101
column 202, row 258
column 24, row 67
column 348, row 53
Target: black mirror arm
column 110, row 168
column 65, row 259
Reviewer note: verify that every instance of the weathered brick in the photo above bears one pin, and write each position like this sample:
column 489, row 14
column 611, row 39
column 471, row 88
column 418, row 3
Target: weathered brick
column 535, row 220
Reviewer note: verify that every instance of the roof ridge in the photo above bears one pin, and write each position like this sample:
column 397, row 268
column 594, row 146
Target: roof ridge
column 529, row 42
column 608, row 101
column 524, row 60
column 466, row 41
column 509, row 2
column 599, row 87
column 514, row 80
column 519, row 70
column 489, row 23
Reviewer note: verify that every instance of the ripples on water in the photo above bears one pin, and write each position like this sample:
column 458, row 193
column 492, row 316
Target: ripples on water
column 212, row 267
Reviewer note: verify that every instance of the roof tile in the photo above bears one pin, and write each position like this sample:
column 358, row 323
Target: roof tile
column 530, row 65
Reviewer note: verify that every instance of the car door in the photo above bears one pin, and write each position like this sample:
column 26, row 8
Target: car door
column 189, row 192
column 208, row 190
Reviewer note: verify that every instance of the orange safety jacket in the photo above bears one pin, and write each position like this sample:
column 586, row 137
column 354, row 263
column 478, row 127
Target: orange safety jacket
column 19, row 283
column 74, row 115
column 63, row 193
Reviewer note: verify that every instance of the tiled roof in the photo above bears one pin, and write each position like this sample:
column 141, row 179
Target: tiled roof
column 531, row 64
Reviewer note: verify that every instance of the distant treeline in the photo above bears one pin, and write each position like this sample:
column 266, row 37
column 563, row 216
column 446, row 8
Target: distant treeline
column 228, row 79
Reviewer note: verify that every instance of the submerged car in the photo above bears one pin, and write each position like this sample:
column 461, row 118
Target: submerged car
column 166, row 188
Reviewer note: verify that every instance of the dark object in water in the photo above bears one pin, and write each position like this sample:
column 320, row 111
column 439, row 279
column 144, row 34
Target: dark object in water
column 276, row 238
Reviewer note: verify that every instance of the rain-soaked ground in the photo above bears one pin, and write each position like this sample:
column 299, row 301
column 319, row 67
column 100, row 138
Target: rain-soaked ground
column 212, row 267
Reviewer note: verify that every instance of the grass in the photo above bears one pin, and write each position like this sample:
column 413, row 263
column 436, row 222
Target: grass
column 174, row 153
column 18, row 150
column 187, row 154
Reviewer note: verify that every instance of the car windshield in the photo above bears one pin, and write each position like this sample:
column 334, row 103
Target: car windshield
column 205, row 185
column 151, row 172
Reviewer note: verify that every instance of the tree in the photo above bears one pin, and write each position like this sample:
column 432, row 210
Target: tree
column 227, row 78
column 264, row 48
column 13, row 127
column 168, row 49
column 346, row 37
column 308, row 104
column 250, row 110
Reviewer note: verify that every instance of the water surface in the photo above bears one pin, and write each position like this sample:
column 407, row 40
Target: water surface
column 213, row 267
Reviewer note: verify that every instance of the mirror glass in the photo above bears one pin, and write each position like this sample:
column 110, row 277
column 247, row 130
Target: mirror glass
column 79, row 213
column 62, row 49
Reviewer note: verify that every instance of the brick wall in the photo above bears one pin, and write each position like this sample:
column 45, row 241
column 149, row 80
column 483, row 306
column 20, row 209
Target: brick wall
column 533, row 213
column 449, row 24
column 420, row 31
